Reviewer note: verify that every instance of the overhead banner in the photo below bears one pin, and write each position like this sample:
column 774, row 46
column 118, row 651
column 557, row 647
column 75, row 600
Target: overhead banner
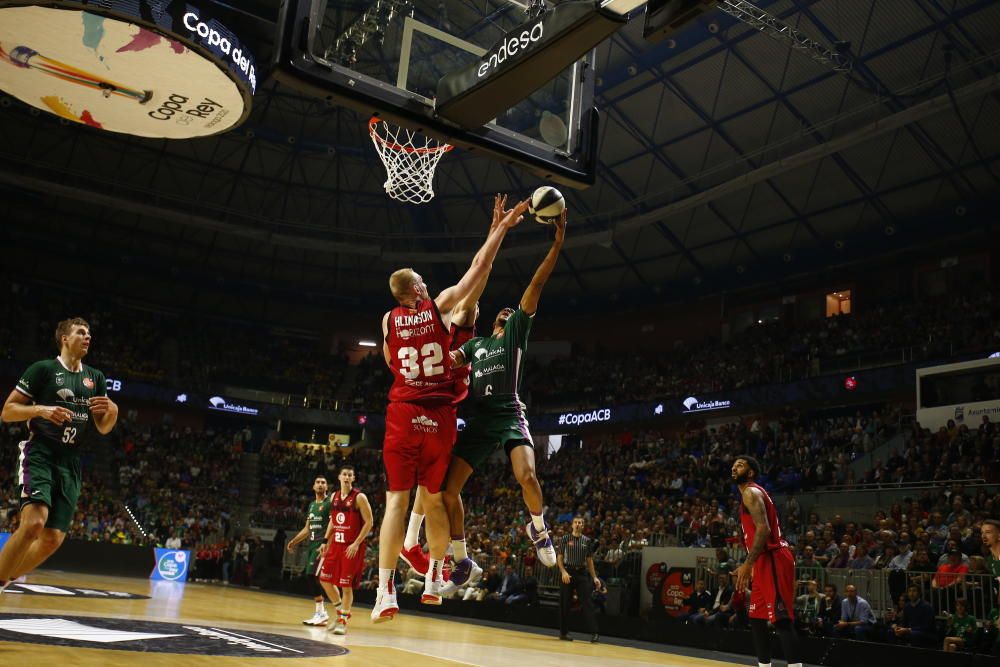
column 146, row 68
column 171, row 565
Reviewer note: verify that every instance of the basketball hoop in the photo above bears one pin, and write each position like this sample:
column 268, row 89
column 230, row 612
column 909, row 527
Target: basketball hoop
column 409, row 159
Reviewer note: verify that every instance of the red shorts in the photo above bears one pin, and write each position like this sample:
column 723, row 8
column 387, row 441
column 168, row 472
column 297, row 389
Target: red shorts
column 418, row 443
column 339, row 570
column 772, row 595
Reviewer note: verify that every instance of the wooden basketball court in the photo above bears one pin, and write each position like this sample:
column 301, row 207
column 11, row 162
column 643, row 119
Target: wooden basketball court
column 407, row 641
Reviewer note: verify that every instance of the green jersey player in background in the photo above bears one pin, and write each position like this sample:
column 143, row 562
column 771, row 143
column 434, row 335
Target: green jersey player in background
column 317, row 516
column 59, row 398
column 495, row 418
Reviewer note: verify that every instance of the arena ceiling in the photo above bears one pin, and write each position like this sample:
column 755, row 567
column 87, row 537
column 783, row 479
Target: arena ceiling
column 726, row 158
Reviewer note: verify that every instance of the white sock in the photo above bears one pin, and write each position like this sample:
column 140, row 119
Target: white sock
column 459, row 550
column 413, row 531
column 320, row 607
column 433, row 572
column 538, row 521
column 385, row 583
column 765, row 664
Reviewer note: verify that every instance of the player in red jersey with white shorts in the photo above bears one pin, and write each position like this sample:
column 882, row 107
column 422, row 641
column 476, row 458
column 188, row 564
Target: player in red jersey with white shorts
column 769, row 564
column 344, row 552
column 420, row 420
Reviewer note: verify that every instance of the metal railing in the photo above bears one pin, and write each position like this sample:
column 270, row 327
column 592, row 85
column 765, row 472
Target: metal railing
column 882, row 589
column 907, row 486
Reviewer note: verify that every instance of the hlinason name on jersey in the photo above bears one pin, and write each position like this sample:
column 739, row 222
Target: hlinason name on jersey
column 412, row 320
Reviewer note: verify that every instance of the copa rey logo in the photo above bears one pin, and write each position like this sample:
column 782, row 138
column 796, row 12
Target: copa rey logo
column 154, row 637
column 130, row 76
column 241, row 59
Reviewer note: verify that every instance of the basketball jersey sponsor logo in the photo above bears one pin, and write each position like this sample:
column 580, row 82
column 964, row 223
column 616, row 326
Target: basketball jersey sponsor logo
column 424, row 424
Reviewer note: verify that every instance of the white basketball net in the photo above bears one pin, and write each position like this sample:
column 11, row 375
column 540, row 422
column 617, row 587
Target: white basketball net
column 409, row 159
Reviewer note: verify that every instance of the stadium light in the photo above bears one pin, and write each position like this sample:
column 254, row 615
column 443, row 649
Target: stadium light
column 367, row 343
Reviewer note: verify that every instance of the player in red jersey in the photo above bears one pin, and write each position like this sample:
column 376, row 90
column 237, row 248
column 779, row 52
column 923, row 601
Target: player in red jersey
column 420, row 420
column 769, row 564
column 344, row 552
column 463, row 329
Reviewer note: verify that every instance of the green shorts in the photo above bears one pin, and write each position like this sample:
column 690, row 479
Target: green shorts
column 313, row 561
column 49, row 474
column 484, row 434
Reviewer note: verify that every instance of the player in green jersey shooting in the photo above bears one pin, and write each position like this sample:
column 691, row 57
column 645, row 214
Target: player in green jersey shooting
column 496, row 418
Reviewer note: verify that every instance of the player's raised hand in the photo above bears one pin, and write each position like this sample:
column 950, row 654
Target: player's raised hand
column 560, row 225
column 55, row 414
column 499, row 204
column 513, row 217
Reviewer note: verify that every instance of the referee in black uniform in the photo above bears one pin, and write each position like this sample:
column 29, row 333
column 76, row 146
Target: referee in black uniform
column 576, row 563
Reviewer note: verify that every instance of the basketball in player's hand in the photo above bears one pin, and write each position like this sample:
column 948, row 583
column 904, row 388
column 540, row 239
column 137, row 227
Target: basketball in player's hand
column 547, row 204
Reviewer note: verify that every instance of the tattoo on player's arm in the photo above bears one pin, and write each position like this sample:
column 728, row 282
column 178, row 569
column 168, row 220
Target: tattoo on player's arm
column 755, row 505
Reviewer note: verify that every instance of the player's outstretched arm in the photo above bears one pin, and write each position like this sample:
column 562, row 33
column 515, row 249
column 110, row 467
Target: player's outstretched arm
column 464, row 314
column 482, row 262
column 529, row 301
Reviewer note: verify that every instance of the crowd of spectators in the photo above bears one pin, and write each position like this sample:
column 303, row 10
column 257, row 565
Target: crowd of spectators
column 769, row 352
column 140, row 343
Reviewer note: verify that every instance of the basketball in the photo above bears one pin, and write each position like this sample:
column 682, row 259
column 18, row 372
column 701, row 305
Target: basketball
column 547, row 204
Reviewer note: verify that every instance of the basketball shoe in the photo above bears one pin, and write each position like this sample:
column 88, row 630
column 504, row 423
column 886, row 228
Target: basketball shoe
column 339, row 627
column 415, row 558
column 385, row 608
column 319, row 618
column 432, row 591
column 466, row 571
column 543, row 545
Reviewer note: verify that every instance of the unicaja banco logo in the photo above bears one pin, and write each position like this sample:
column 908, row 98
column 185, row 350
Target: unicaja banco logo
column 219, row 403
column 693, row 404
